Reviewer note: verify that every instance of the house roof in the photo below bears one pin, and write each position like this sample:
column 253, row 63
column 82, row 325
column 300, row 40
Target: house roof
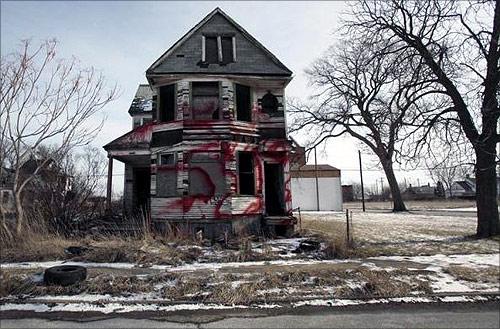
column 184, row 56
column 143, row 100
column 465, row 185
column 321, row 167
column 308, row 171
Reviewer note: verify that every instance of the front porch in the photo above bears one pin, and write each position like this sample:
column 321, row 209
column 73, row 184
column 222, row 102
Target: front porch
column 137, row 180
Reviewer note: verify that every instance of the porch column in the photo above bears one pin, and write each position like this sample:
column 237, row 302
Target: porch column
column 110, row 183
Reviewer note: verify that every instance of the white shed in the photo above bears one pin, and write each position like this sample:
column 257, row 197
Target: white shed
column 304, row 191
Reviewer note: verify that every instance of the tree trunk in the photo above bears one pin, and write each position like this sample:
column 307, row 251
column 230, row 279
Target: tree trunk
column 486, row 191
column 397, row 199
column 19, row 212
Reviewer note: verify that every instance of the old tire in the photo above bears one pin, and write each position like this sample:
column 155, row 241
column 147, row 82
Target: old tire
column 64, row 275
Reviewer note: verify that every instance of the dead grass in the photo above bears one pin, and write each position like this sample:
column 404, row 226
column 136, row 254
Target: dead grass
column 490, row 274
column 414, row 204
column 144, row 250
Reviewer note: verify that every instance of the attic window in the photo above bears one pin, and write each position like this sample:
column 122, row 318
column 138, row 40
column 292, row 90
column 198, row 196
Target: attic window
column 218, row 49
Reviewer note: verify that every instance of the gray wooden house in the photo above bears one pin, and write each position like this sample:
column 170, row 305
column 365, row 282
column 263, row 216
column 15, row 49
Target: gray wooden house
column 208, row 150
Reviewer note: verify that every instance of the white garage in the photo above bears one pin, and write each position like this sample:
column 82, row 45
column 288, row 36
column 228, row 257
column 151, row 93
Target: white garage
column 305, row 192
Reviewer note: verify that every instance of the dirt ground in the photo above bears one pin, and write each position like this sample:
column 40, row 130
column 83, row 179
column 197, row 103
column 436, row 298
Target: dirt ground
column 376, row 233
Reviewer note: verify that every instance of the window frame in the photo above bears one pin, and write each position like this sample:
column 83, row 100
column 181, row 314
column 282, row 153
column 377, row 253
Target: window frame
column 161, row 116
column 160, row 158
column 239, row 173
column 250, row 98
column 192, row 96
column 219, row 48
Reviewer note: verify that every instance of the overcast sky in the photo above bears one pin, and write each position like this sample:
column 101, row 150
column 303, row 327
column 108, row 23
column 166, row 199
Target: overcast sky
column 124, row 38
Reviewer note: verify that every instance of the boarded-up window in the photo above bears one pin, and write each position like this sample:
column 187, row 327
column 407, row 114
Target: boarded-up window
column 206, row 174
column 166, row 176
column 136, row 122
column 167, row 103
column 246, row 175
column 227, row 50
column 205, row 99
column 211, row 50
column 243, row 106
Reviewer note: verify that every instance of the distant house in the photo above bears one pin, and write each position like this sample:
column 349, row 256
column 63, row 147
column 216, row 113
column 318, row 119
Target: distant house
column 51, row 177
column 466, row 188
column 7, row 204
column 424, row 192
column 306, row 193
column 463, row 189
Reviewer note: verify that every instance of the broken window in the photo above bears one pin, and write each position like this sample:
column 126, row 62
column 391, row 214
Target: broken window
column 167, row 159
column 211, row 50
column 205, row 100
column 218, row 49
column 243, row 106
column 227, row 50
column 269, row 103
column 246, row 175
column 206, row 174
column 167, row 103
column 137, row 122
column 166, row 176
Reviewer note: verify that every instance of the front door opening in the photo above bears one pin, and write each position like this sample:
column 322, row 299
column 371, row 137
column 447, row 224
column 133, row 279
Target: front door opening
column 142, row 188
column 275, row 189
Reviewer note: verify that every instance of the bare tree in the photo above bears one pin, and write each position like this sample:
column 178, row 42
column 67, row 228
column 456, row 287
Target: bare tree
column 458, row 42
column 46, row 100
column 65, row 195
column 448, row 164
column 365, row 95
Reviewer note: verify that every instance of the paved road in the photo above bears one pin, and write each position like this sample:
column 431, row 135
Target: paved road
column 485, row 315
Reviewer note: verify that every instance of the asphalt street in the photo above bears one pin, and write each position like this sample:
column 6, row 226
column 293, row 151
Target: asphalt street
column 483, row 315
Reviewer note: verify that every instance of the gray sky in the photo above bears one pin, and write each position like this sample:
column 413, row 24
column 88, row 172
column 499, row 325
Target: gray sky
column 123, row 38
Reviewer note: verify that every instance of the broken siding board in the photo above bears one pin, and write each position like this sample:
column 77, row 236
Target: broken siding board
column 183, row 100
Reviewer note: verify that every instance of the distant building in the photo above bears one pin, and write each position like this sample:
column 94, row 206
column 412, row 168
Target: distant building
column 463, row 189
column 347, row 193
column 424, row 192
column 305, row 190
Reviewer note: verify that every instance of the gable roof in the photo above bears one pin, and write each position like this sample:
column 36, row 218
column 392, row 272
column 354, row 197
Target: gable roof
column 252, row 58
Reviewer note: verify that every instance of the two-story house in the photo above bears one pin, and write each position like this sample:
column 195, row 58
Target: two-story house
column 208, row 150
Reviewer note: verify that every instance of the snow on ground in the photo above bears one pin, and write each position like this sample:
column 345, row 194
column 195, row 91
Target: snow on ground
column 405, row 233
column 181, row 268
column 439, row 260
column 125, row 308
column 458, row 209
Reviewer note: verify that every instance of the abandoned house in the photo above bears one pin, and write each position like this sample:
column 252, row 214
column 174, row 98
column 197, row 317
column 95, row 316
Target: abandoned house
column 208, row 150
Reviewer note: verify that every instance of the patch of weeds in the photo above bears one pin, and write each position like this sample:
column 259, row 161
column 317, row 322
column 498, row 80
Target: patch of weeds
column 490, row 274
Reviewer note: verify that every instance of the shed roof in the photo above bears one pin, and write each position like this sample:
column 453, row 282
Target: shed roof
column 320, row 167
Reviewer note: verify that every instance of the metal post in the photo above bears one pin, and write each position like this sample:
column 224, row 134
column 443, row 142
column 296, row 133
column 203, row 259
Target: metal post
column 316, row 176
column 347, row 226
column 362, row 186
column 110, row 183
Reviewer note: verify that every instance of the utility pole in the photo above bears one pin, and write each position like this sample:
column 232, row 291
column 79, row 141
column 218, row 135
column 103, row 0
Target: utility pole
column 362, row 185
column 316, row 176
